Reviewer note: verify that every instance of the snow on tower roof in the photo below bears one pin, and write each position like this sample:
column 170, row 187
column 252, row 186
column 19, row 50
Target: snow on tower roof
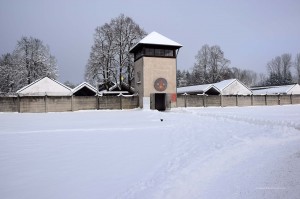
column 155, row 38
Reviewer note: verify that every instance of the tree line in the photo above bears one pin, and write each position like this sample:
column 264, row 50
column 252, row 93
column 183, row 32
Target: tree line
column 110, row 62
column 211, row 66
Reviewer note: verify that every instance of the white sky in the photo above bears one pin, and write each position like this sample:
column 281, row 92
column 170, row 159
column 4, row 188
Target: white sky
column 250, row 33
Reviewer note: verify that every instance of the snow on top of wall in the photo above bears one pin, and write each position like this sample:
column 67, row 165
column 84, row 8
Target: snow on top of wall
column 45, row 86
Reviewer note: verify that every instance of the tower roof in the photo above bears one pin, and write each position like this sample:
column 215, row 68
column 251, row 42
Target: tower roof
column 155, row 38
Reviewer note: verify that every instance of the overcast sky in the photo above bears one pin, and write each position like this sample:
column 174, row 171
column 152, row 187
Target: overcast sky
column 250, row 33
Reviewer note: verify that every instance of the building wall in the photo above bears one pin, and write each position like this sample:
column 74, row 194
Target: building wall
column 156, row 67
column 147, row 70
column 139, row 80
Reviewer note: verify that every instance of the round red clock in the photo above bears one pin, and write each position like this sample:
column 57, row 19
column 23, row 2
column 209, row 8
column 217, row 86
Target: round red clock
column 160, row 84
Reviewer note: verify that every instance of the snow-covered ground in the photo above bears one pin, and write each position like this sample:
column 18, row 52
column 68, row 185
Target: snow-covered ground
column 233, row 152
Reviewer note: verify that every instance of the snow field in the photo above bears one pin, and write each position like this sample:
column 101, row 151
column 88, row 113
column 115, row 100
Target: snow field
column 249, row 152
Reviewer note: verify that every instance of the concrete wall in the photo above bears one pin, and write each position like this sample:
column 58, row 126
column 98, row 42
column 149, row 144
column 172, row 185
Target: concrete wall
column 244, row 100
column 33, row 104
column 259, row 100
column 130, row 102
column 295, row 99
column 181, row 101
column 58, row 104
column 213, row 100
column 41, row 104
column 84, row 103
column 194, row 100
column 234, row 100
column 229, row 100
column 9, row 104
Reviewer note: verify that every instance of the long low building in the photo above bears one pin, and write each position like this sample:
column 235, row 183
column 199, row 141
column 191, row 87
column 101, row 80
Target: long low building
column 225, row 87
column 276, row 90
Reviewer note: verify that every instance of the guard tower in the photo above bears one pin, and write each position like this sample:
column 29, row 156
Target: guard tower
column 155, row 68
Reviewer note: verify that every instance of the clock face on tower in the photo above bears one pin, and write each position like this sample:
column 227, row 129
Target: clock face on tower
column 160, row 84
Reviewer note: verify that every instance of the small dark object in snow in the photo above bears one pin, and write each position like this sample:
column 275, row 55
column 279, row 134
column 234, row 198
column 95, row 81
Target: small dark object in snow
column 161, row 120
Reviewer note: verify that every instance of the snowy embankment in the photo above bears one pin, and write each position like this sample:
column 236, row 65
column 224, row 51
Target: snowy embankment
column 249, row 152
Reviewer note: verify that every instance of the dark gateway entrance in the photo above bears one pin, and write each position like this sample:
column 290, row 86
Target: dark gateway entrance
column 160, row 101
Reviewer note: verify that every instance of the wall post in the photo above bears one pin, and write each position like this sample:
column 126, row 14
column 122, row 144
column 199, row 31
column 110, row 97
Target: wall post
column 237, row 100
column 72, row 102
column 266, row 100
column 19, row 104
column 121, row 105
column 291, row 98
column 279, row 99
column 251, row 99
column 46, row 105
column 221, row 100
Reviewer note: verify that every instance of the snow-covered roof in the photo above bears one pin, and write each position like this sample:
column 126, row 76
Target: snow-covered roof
column 84, row 84
column 155, row 38
column 45, row 86
column 196, row 89
column 242, row 89
column 219, row 86
column 225, row 83
column 286, row 89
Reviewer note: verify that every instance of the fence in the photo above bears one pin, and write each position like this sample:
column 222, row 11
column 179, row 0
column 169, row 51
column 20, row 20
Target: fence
column 235, row 100
column 39, row 104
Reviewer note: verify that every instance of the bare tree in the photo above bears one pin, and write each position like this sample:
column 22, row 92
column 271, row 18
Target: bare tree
column 110, row 60
column 279, row 70
column 248, row 77
column 297, row 66
column 210, row 66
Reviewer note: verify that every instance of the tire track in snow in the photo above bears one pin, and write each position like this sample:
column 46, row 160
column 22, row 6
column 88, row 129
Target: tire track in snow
column 84, row 130
column 251, row 120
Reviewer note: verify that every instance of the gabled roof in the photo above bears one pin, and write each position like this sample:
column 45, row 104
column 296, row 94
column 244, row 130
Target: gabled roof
column 45, row 86
column 155, row 38
column 226, row 83
column 285, row 89
column 84, row 85
column 197, row 88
